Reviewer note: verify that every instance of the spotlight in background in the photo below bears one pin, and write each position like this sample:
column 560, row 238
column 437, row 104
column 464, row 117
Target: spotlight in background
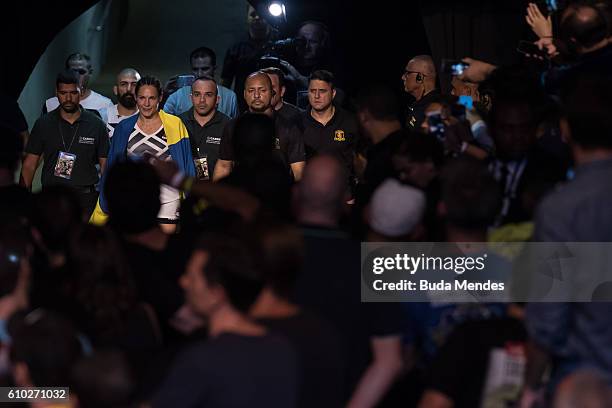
column 273, row 11
column 277, row 9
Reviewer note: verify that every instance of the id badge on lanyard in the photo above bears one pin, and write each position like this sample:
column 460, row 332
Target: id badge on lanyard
column 65, row 161
column 201, row 165
column 64, row 165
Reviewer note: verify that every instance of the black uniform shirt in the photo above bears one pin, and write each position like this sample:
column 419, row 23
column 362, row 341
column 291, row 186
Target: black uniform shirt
column 206, row 138
column 337, row 137
column 416, row 112
column 87, row 138
column 288, row 137
column 291, row 113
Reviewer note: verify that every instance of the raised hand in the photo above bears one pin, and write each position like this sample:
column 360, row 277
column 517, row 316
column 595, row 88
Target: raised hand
column 541, row 26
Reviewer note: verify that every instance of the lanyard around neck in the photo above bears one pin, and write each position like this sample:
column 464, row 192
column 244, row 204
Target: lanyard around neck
column 59, row 127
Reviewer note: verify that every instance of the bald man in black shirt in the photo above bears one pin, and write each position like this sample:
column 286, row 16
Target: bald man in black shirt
column 419, row 81
column 258, row 95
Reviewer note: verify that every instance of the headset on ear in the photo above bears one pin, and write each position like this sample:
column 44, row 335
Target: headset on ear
column 419, row 77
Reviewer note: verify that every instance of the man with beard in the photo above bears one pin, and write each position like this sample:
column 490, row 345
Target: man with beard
column 258, row 95
column 90, row 99
column 71, row 141
column 126, row 106
column 205, row 125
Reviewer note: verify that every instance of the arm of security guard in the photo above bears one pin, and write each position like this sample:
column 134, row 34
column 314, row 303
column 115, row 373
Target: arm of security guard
column 226, row 154
column 102, row 161
column 28, row 168
column 33, row 151
column 296, row 152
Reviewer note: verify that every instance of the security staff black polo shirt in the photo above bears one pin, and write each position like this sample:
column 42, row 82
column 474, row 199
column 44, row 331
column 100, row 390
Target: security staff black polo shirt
column 291, row 113
column 87, row 138
column 288, row 136
column 416, row 112
column 337, row 137
column 206, row 138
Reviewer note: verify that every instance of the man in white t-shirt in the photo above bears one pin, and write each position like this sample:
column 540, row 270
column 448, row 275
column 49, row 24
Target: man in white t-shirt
column 90, row 99
column 124, row 90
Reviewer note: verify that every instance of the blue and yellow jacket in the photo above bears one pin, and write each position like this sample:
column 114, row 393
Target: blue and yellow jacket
column 178, row 146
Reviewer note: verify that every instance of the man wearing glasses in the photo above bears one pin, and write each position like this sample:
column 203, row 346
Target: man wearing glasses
column 419, row 81
column 90, row 99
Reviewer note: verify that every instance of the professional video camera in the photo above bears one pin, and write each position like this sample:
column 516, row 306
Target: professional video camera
column 277, row 50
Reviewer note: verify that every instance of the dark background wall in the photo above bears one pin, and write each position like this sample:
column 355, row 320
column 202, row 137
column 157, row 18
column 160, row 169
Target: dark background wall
column 372, row 39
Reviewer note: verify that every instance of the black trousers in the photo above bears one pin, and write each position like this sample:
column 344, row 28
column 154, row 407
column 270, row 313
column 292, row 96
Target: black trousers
column 88, row 197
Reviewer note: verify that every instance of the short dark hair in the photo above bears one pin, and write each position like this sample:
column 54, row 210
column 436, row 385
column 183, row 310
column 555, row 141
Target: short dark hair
column 56, row 213
column 231, row 265
column 67, row 77
column 585, row 32
column 150, row 81
column 132, row 194
column 380, row 101
column 12, row 148
column 104, row 379
column 276, row 71
column 47, row 343
column 206, row 78
column 77, row 56
column 470, row 193
column 203, row 52
column 323, row 75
